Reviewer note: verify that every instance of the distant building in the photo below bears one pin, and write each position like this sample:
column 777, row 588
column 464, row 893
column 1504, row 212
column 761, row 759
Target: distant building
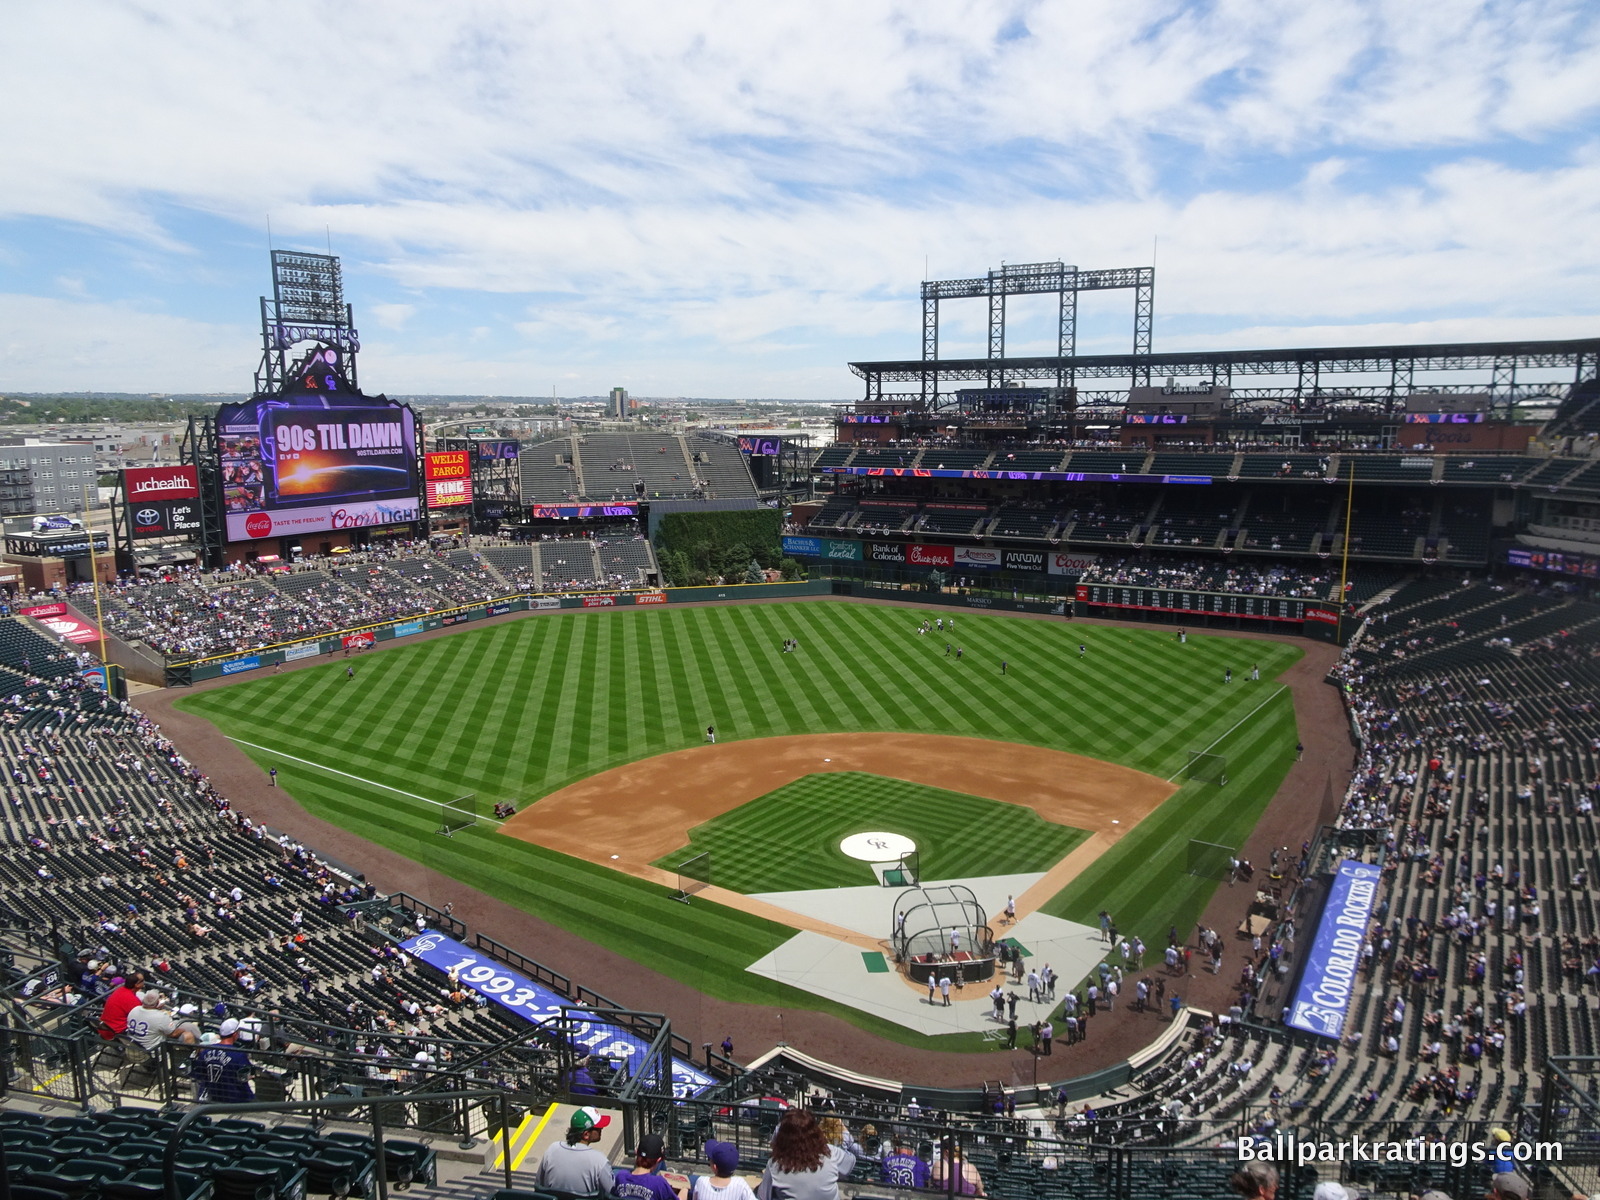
column 617, row 405
column 45, row 478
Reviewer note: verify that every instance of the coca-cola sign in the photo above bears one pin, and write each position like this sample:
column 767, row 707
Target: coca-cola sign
column 159, row 483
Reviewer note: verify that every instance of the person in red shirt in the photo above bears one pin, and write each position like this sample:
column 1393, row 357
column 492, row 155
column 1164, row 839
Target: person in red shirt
column 123, row 1000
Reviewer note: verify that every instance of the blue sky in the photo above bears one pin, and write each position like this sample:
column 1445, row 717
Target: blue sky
column 723, row 199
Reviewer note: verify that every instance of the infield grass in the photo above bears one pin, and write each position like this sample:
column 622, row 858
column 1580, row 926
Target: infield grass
column 514, row 711
column 788, row 840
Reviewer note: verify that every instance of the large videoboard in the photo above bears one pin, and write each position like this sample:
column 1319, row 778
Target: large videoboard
column 317, row 456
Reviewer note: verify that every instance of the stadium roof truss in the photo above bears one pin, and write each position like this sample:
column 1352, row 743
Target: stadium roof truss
column 1372, row 379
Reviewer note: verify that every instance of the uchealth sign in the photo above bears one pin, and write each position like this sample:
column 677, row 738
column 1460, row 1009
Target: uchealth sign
column 1062, row 562
column 62, row 623
column 141, row 485
column 930, row 556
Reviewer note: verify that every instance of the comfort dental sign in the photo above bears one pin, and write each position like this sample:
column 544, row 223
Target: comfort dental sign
column 1322, row 1001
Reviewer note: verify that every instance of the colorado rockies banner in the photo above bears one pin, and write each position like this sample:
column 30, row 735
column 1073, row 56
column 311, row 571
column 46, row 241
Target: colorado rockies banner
column 1323, row 998
column 518, row 994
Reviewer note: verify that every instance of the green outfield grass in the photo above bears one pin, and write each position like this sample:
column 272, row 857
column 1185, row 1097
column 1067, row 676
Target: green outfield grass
column 788, row 840
column 516, row 710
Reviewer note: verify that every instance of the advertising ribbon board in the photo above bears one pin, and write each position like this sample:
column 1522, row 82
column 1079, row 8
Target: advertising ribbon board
column 1024, row 560
column 521, row 996
column 849, row 551
column 930, row 556
column 889, row 552
column 1332, row 970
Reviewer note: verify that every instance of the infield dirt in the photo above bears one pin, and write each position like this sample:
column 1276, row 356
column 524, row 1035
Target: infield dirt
column 669, row 794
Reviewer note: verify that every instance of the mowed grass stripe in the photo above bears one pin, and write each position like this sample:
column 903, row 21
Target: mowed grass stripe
column 517, row 710
column 788, row 840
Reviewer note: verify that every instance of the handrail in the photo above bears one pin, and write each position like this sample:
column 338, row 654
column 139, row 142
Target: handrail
column 169, row 1156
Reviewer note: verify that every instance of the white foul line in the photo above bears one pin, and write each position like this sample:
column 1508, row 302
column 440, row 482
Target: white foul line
column 1232, row 727
column 357, row 778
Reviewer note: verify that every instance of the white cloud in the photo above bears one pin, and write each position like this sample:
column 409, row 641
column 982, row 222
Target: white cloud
column 663, row 188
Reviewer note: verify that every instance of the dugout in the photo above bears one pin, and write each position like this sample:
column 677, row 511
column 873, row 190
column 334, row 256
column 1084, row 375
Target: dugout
column 924, row 918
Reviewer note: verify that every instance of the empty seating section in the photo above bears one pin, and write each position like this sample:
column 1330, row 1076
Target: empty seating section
column 1190, row 517
column 1283, row 521
column 1496, row 469
column 833, row 512
column 722, row 469
column 1308, row 467
column 1586, row 480
column 1464, row 529
column 1216, row 465
column 948, row 458
column 1020, row 522
column 569, row 565
column 611, row 463
column 515, row 564
column 1104, row 462
column 956, row 521
column 1387, row 531
column 609, row 466
column 1103, row 522
column 836, row 455
column 884, row 516
column 1387, row 468
column 626, row 561
column 1028, row 460
column 546, row 471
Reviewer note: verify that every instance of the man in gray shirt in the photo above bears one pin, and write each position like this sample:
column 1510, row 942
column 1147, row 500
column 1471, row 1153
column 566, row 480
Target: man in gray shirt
column 151, row 1023
column 574, row 1165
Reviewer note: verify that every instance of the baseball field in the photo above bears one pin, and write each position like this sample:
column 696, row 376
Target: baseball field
column 513, row 712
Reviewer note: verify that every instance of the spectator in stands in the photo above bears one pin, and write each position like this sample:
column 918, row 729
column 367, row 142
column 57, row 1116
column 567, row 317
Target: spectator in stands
column 1255, row 1181
column 904, row 1168
column 152, row 1023
column 645, row 1181
column 221, row 1071
column 122, row 1000
column 954, row 1174
column 802, row 1165
column 723, row 1183
column 574, row 1165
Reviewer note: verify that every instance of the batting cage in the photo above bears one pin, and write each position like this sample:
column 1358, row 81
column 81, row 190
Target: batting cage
column 935, row 927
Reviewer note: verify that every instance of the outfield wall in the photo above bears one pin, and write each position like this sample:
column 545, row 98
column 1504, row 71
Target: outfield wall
column 181, row 673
